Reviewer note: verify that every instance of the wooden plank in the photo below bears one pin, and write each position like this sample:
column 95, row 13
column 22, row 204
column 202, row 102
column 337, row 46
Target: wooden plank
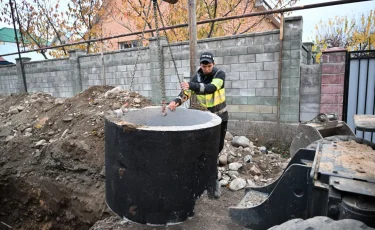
column 365, row 122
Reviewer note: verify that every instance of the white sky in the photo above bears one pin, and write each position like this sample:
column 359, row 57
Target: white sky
column 311, row 16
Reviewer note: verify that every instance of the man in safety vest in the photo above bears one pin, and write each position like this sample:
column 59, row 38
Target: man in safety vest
column 208, row 85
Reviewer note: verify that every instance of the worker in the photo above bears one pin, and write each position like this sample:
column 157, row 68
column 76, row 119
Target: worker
column 208, row 85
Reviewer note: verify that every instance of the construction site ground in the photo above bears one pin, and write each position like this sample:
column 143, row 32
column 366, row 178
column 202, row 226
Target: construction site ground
column 52, row 164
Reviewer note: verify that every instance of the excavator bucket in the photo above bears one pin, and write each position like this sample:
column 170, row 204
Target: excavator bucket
column 323, row 125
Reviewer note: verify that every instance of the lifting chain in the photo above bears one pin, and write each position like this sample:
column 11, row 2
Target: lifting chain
column 169, row 46
column 159, row 50
column 161, row 67
column 138, row 48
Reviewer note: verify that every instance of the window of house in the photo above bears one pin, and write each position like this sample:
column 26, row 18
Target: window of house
column 129, row 44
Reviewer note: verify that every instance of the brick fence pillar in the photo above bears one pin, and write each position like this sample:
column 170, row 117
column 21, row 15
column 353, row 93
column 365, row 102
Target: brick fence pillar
column 332, row 86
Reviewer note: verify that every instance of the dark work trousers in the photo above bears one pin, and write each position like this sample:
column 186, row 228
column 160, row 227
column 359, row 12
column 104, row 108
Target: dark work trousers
column 213, row 184
column 223, row 131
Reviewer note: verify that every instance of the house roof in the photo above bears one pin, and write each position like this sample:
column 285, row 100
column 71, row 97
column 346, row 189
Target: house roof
column 7, row 35
column 4, row 62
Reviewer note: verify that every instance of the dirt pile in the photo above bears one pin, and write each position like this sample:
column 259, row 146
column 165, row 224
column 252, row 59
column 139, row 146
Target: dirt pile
column 52, row 157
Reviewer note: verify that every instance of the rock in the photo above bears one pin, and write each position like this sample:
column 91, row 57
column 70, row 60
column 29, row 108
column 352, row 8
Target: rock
column 9, row 138
column 27, row 134
column 113, row 92
column 256, row 178
column 13, row 110
column 250, row 183
column 20, row 108
column 248, row 150
column 263, row 149
column 5, row 133
column 223, row 159
column 240, row 141
column 41, row 142
column 237, row 184
column 50, row 133
column 41, row 122
column 37, row 153
column 218, row 175
column 226, row 177
column 28, row 130
column 255, row 171
column 233, row 174
column 231, row 159
column 68, row 118
column 223, row 182
column 235, row 166
column 116, row 105
column 233, row 153
column 228, row 136
column 59, row 101
column 137, row 100
column 247, row 159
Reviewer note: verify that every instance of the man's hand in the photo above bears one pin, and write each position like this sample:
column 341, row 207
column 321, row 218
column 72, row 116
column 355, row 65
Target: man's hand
column 185, row 85
column 173, row 105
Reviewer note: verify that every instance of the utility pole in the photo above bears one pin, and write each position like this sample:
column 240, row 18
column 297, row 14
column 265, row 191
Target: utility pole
column 193, row 42
column 193, row 36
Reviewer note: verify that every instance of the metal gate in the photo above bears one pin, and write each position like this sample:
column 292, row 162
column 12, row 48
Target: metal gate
column 359, row 88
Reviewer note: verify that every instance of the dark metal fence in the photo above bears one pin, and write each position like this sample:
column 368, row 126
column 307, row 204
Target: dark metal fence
column 359, row 88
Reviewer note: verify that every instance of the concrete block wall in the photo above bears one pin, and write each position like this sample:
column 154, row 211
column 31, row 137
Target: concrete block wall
column 310, row 91
column 332, row 85
column 51, row 76
column 250, row 62
column 290, row 82
column 10, row 82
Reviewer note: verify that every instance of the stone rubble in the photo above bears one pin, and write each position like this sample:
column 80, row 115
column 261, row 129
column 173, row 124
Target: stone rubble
column 242, row 164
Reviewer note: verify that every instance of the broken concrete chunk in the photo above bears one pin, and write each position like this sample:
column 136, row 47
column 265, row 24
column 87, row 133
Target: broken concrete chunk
column 247, row 159
column 240, row 141
column 13, row 110
column 60, row 101
column 233, row 174
column 224, row 183
column 41, row 142
column 263, row 149
column 255, row 171
column 113, row 92
column 235, row 166
column 237, row 184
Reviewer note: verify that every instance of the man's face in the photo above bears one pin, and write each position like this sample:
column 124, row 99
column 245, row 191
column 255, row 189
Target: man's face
column 207, row 67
